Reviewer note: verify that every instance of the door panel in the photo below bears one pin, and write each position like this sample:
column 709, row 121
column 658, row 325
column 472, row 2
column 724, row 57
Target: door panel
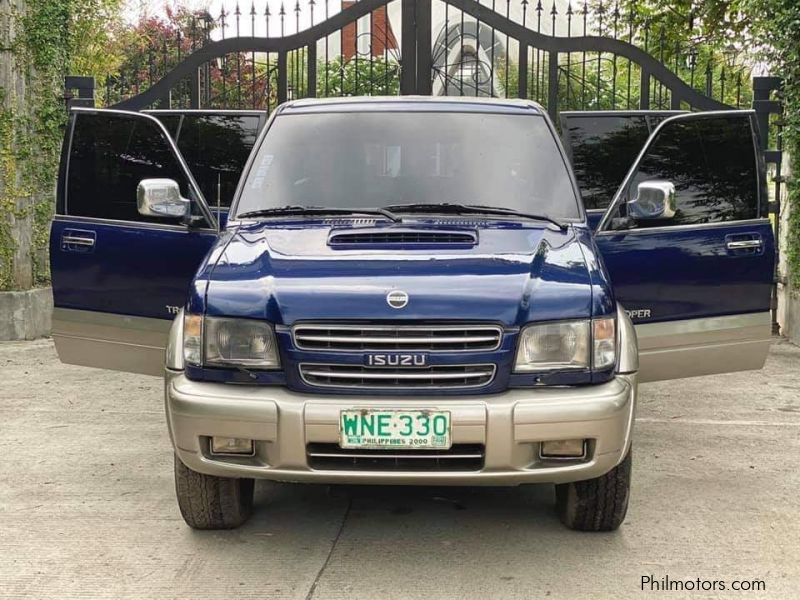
column 120, row 278
column 696, row 285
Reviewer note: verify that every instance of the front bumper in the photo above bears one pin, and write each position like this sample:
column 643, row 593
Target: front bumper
column 510, row 426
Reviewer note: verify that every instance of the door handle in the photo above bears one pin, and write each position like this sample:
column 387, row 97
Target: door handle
column 78, row 240
column 744, row 244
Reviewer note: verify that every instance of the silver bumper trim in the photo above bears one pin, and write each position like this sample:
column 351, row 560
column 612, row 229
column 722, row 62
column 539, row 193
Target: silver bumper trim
column 510, row 426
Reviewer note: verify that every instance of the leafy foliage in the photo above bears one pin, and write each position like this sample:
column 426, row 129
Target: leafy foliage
column 777, row 22
column 358, row 76
column 54, row 38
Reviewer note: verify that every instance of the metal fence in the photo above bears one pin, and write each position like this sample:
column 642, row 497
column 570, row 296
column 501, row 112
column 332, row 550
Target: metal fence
column 565, row 56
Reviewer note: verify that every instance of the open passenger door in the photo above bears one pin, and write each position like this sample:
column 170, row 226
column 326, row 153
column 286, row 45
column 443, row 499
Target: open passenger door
column 120, row 275
column 690, row 249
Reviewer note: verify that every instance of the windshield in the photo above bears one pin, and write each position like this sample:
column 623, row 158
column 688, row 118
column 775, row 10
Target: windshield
column 377, row 159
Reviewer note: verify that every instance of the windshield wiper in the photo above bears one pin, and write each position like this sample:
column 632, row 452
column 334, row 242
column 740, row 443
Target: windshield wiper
column 480, row 209
column 280, row 211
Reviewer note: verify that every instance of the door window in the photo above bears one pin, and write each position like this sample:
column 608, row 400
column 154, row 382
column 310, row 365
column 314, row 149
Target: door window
column 109, row 155
column 603, row 148
column 713, row 166
column 216, row 148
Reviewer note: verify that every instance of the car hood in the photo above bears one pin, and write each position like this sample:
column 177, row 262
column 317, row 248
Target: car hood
column 513, row 273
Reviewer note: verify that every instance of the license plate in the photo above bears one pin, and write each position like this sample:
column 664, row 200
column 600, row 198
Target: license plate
column 394, row 429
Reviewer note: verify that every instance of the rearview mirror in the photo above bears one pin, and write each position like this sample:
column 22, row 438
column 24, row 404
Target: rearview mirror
column 654, row 200
column 160, row 198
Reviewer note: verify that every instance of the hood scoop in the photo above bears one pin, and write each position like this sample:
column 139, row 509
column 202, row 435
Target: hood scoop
column 401, row 237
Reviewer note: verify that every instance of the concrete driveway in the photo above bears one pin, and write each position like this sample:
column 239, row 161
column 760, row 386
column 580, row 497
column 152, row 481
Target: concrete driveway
column 87, row 507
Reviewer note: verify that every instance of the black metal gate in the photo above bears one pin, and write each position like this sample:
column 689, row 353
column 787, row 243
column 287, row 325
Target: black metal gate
column 591, row 59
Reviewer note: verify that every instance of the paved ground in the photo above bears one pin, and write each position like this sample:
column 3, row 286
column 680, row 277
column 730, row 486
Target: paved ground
column 87, row 506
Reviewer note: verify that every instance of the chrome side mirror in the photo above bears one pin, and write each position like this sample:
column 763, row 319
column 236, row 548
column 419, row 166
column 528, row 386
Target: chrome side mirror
column 655, row 200
column 160, row 198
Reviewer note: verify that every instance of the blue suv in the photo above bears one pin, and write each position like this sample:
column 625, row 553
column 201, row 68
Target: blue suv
column 408, row 290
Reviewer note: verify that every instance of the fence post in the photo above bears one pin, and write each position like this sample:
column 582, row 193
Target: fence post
column 194, row 90
column 522, row 82
column 552, row 85
column 764, row 107
column 422, row 19
column 311, row 88
column 282, row 77
column 85, row 91
column 408, row 50
column 644, row 90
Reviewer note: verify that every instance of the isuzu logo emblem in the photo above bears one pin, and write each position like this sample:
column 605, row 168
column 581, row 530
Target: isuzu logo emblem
column 395, row 359
column 397, row 299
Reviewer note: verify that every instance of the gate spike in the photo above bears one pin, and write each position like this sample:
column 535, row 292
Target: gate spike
column 238, row 14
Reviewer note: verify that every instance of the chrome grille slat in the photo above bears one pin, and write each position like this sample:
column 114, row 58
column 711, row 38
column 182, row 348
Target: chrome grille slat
column 355, row 376
column 403, row 456
column 350, row 338
column 389, row 340
column 460, row 457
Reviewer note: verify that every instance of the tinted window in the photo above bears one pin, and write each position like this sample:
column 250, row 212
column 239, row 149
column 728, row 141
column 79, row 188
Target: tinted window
column 171, row 121
column 216, row 148
column 373, row 159
column 109, row 156
column 603, row 150
column 711, row 162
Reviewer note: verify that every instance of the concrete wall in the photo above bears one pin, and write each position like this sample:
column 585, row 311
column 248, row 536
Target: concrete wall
column 25, row 315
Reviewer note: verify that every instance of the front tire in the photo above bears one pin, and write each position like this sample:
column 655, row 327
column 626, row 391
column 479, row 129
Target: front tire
column 598, row 504
column 209, row 502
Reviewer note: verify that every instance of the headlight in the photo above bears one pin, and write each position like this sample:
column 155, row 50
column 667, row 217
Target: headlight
column 218, row 341
column 567, row 345
column 547, row 346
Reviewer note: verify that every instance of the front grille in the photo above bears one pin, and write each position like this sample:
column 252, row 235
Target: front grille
column 460, row 457
column 350, row 338
column 434, row 377
column 402, row 237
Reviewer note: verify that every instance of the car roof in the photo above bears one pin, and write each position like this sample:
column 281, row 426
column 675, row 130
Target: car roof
column 412, row 103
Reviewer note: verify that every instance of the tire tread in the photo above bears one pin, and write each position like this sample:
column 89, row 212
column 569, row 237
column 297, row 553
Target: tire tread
column 210, row 502
column 597, row 504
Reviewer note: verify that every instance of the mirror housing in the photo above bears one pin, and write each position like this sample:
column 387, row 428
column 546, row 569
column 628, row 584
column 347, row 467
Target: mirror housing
column 655, row 200
column 161, row 198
